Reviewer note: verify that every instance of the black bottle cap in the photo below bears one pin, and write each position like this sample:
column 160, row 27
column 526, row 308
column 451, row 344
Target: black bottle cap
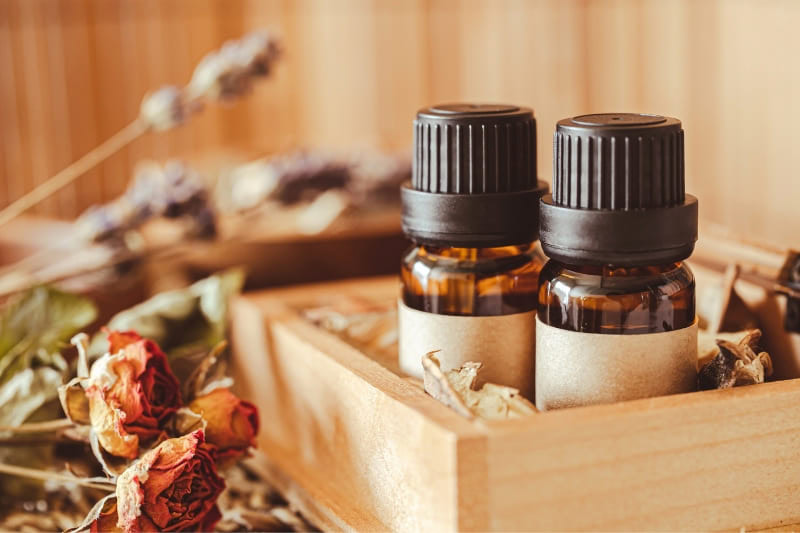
column 618, row 192
column 474, row 177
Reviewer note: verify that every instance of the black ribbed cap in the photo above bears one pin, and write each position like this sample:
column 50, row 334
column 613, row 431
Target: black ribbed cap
column 619, row 191
column 474, row 176
column 618, row 161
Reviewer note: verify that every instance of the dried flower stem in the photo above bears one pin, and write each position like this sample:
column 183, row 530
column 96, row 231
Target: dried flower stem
column 75, row 170
column 14, row 442
column 43, row 475
column 39, row 427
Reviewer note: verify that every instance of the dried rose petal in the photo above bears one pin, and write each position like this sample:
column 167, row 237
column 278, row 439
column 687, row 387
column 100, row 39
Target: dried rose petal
column 232, row 423
column 131, row 392
column 173, row 487
column 106, row 521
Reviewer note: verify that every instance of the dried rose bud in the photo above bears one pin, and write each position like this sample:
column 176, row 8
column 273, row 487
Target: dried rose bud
column 164, row 109
column 232, row 423
column 173, row 487
column 131, row 392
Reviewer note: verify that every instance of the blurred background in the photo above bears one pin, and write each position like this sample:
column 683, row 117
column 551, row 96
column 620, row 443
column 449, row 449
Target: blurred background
column 355, row 71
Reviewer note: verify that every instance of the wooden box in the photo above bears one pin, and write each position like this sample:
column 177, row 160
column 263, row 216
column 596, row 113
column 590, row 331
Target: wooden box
column 357, row 446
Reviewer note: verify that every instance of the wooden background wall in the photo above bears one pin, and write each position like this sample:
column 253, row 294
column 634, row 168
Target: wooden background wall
column 73, row 71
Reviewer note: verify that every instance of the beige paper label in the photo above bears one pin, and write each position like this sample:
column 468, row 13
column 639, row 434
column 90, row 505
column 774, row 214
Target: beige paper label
column 505, row 344
column 575, row 369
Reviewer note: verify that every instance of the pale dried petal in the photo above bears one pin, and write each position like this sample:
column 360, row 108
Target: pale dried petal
column 455, row 388
column 438, row 386
column 108, row 425
column 74, row 401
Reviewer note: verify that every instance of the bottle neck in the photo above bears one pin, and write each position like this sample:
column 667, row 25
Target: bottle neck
column 473, row 254
column 621, row 270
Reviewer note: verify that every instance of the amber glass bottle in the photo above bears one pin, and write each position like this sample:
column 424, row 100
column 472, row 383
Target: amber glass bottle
column 470, row 281
column 616, row 302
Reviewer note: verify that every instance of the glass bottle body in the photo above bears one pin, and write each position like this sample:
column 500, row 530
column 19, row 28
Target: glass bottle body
column 472, row 281
column 617, row 300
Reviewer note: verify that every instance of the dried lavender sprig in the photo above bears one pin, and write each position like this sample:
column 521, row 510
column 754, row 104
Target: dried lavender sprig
column 222, row 75
column 172, row 190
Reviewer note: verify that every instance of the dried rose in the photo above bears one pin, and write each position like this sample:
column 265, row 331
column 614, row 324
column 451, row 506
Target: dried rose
column 173, row 487
column 131, row 392
column 231, row 423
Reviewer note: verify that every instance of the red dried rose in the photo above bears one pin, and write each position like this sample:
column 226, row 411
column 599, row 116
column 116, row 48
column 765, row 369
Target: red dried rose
column 131, row 391
column 173, row 487
column 231, row 423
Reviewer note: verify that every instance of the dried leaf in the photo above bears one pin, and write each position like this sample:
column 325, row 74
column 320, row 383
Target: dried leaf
column 455, row 388
column 185, row 323
column 37, row 324
column 26, row 392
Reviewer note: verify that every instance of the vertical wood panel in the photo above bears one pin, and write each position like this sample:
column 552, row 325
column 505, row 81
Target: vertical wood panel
column 21, row 173
column 59, row 104
column 78, row 49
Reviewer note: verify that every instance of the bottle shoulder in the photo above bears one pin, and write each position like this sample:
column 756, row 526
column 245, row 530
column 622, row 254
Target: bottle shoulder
column 423, row 261
column 603, row 299
column 472, row 281
column 606, row 280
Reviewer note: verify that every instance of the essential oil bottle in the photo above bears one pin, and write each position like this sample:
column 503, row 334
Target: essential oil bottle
column 616, row 318
column 472, row 209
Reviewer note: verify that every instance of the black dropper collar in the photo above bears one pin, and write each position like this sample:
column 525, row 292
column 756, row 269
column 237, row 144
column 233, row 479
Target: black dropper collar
column 618, row 192
column 474, row 177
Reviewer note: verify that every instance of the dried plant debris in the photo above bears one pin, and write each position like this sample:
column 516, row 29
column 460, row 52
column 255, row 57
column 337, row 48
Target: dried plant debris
column 250, row 504
column 364, row 179
column 707, row 348
column 736, row 364
column 371, row 326
column 455, row 388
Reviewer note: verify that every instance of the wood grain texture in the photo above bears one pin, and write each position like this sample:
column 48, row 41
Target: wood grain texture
column 358, row 447
column 704, row 461
column 355, row 71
